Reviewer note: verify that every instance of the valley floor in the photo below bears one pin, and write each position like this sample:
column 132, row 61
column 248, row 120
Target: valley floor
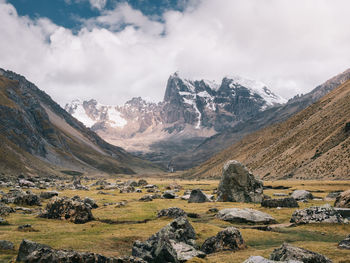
column 116, row 237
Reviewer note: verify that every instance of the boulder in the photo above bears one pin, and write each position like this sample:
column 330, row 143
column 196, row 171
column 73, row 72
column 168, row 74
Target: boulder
column 169, row 194
column 48, row 194
column 245, row 215
column 283, row 202
column 260, row 259
column 301, row 195
column 142, row 182
column 173, row 212
column 197, row 196
column 345, row 244
column 32, row 252
column 227, row 239
column 91, row 202
column 237, row 184
column 173, row 243
column 25, row 183
column 132, row 183
column 5, row 210
column 288, row 252
column 65, row 208
column 146, row 198
column 19, row 197
column 6, row 245
column 343, row 200
column 316, row 214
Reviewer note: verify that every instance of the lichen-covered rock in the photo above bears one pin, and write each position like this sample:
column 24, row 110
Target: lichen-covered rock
column 282, row 202
column 289, row 252
column 301, row 195
column 173, row 212
column 173, row 243
column 245, row 215
column 227, row 239
column 197, row 196
column 345, row 244
column 19, row 197
column 75, row 211
column 237, row 184
column 343, row 200
column 316, row 214
column 32, row 252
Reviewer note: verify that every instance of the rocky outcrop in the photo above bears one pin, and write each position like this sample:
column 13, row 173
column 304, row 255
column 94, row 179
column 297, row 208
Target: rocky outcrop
column 283, row 202
column 197, row 196
column 288, row 252
column 316, row 214
column 301, row 195
column 228, row 239
column 173, row 243
column 245, row 215
column 173, row 212
column 345, row 244
column 75, row 211
column 32, row 252
column 19, row 197
column 343, row 200
column 237, row 184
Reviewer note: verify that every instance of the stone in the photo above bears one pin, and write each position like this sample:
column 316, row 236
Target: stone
column 173, row 186
column 245, row 215
column 237, row 184
column 25, row 183
column 283, row 202
column 172, row 212
column 142, row 182
column 32, row 252
column 91, row 202
column 185, row 197
column 345, row 244
column 127, row 189
column 279, row 194
column 48, row 194
column 132, row 183
column 332, row 195
column 146, row 198
column 173, row 243
column 19, row 197
column 169, row 194
column 26, row 228
column 228, row 239
column 213, row 210
column 5, row 210
column 65, row 208
column 343, row 200
column 344, row 212
column 197, row 196
column 288, row 252
column 316, row 214
column 6, row 245
column 300, row 195
column 260, row 259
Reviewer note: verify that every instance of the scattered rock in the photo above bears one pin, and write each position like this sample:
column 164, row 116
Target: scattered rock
column 260, row 259
column 173, row 212
column 169, row 194
column 64, row 208
column 173, row 243
column 121, row 204
column 245, row 215
column 26, row 228
column 300, row 195
column 280, row 194
column 185, row 197
column 283, row 202
column 213, row 210
column 127, row 189
column 173, row 186
column 193, row 215
column 104, row 193
column 343, row 200
column 131, row 183
column 24, row 210
column 237, row 184
column 6, row 245
column 345, row 244
column 316, row 214
column 48, row 195
column 332, row 195
column 89, row 201
column 197, row 196
column 288, row 252
column 146, row 198
column 5, row 210
column 25, row 183
column 142, row 182
column 19, row 197
column 227, row 239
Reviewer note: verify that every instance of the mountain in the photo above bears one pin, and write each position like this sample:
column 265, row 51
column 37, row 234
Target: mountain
column 37, row 136
column 313, row 144
column 191, row 112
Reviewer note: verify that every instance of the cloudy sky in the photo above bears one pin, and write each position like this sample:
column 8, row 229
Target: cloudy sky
column 112, row 50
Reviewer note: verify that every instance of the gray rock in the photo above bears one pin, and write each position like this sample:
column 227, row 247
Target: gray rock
column 19, row 197
column 260, row 259
column 345, row 244
column 132, row 183
column 48, row 194
column 173, row 212
column 6, row 245
column 227, row 239
column 142, row 182
column 289, row 252
column 237, row 184
column 146, row 198
column 185, row 197
column 169, row 194
column 197, row 196
column 301, row 195
column 343, row 200
column 91, row 202
column 316, row 214
column 279, row 194
column 25, row 183
column 283, row 202
column 5, row 210
column 333, row 195
column 173, row 243
column 245, row 215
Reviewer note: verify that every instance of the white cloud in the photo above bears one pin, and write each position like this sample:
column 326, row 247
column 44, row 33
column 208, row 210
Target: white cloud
column 290, row 45
column 98, row 4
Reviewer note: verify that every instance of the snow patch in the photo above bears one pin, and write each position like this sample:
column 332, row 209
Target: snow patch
column 115, row 119
column 80, row 114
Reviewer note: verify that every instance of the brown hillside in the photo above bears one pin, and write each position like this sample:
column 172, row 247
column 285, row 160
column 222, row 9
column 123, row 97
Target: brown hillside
column 313, row 144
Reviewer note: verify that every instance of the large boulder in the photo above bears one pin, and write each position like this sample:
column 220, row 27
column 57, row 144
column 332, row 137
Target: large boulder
column 260, row 259
column 169, row 194
column 75, row 211
column 245, row 215
column 197, row 196
column 173, row 212
column 301, row 195
column 6, row 245
column 19, row 197
column 237, row 184
column 32, row 252
column 227, row 239
column 288, row 252
column 343, row 200
column 316, row 214
column 345, row 244
column 282, row 202
column 173, row 243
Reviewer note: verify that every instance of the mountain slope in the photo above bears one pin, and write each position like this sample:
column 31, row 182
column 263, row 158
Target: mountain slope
column 313, row 144
column 46, row 139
